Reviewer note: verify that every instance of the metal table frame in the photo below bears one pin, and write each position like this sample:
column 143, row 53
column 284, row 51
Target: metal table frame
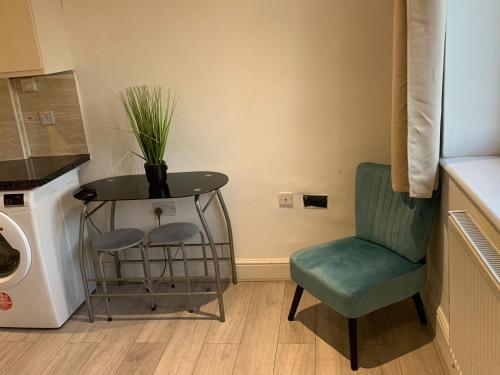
column 86, row 214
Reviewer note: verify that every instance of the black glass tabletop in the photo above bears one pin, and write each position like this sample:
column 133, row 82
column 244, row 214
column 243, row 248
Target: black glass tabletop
column 136, row 187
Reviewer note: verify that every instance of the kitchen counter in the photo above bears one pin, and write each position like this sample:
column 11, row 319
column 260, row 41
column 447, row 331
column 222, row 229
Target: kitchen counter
column 480, row 179
column 30, row 173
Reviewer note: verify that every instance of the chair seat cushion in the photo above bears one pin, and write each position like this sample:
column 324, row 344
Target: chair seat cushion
column 356, row 277
column 119, row 239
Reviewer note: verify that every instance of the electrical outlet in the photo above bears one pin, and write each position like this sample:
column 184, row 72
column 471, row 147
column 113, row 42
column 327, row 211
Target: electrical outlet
column 168, row 208
column 47, row 118
column 285, row 199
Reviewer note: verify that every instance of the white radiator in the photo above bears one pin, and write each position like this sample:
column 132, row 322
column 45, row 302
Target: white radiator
column 474, row 297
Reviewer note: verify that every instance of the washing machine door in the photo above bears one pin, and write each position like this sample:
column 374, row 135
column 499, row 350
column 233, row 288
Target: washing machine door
column 15, row 253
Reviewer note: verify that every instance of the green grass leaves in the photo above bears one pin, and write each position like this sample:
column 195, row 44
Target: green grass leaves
column 150, row 117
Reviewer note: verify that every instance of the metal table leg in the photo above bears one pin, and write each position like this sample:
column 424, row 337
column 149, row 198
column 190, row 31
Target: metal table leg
column 116, row 258
column 229, row 233
column 83, row 216
column 205, row 262
column 214, row 255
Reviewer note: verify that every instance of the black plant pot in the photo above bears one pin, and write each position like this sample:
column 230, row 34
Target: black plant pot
column 156, row 173
column 158, row 191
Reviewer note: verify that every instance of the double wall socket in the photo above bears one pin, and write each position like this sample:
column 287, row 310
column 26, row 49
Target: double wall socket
column 168, row 208
column 47, row 118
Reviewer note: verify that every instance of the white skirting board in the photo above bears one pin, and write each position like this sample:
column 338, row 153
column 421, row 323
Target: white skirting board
column 263, row 269
column 442, row 341
column 440, row 331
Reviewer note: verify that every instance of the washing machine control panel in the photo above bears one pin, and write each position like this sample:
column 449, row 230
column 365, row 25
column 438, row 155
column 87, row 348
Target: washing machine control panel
column 13, row 200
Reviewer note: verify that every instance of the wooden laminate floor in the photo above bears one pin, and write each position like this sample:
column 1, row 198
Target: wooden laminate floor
column 255, row 339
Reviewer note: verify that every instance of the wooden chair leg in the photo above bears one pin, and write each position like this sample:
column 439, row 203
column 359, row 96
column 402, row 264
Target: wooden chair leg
column 353, row 343
column 295, row 302
column 420, row 308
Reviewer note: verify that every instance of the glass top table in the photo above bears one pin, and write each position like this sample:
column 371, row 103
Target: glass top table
column 136, row 187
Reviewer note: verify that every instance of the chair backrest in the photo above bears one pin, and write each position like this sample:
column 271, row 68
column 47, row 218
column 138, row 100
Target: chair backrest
column 393, row 220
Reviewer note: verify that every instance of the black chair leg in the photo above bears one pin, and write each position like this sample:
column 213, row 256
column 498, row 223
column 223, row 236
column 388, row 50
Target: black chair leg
column 295, row 302
column 353, row 342
column 420, row 308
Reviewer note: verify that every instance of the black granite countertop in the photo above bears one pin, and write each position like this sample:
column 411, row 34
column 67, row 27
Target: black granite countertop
column 30, row 173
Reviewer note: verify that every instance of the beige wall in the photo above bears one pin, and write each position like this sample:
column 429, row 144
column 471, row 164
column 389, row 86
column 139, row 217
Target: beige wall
column 10, row 141
column 283, row 95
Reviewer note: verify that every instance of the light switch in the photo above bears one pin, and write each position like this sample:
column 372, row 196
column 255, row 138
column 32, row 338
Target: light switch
column 28, row 85
column 285, row 199
column 47, row 118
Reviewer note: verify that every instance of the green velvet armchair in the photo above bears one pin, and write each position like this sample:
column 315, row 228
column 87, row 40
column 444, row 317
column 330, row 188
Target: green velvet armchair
column 383, row 264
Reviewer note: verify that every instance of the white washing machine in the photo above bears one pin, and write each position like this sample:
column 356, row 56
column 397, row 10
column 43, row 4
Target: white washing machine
column 40, row 284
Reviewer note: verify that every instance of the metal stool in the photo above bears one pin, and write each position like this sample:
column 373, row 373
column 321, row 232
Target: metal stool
column 122, row 239
column 177, row 234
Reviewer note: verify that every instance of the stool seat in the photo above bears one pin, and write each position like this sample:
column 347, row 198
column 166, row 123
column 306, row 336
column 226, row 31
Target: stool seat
column 119, row 239
column 173, row 233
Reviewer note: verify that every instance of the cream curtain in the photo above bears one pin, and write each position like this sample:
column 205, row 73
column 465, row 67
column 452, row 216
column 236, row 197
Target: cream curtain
column 418, row 60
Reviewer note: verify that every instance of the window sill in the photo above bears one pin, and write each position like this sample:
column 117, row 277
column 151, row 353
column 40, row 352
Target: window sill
column 479, row 177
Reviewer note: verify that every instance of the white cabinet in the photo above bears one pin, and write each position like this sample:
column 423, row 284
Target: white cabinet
column 33, row 38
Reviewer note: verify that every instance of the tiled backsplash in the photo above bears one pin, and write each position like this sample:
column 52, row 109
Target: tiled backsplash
column 10, row 140
column 56, row 93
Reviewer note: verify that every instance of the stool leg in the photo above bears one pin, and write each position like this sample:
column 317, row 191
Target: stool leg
column 118, row 267
column 186, row 273
column 104, row 286
column 170, row 268
column 147, row 275
column 205, row 263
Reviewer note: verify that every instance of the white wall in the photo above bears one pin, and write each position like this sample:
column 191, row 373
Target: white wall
column 280, row 95
column 472, row 79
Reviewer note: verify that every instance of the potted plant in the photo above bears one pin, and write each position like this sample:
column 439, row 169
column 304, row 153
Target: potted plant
column 150, row 117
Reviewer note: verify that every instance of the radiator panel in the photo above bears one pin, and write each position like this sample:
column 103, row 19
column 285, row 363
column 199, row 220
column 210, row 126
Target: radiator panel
column 474, row 298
